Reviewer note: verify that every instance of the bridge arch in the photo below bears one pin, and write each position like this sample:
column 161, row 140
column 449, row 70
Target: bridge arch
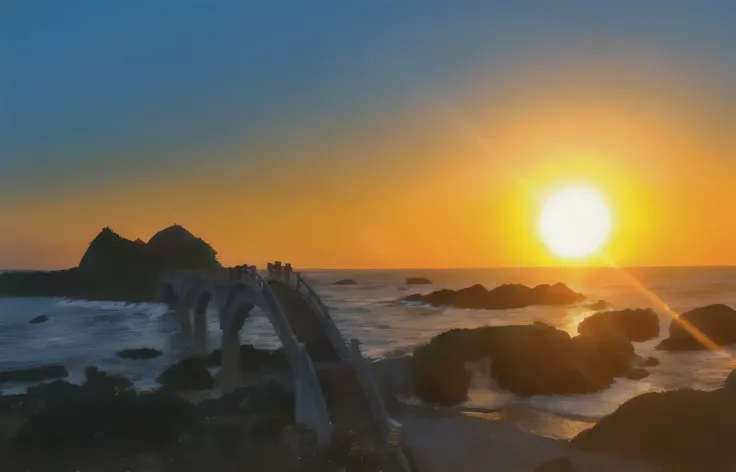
column 167, row 296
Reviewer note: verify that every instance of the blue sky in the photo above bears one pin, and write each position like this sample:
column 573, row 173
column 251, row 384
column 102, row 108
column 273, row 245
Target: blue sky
column 95, row 90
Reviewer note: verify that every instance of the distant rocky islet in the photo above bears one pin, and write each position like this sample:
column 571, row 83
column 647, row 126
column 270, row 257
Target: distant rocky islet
column 503, row 297
column 116, row 268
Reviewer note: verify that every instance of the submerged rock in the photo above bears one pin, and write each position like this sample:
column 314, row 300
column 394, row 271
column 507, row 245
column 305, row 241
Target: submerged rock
column 526, row 360
column 649, row 362
column 598, row 305
column 634, row 324
column 345, row 282
column 502, row 297
column 142, row 353
column 39, row 319
column 418, row 281
column 190, row 374
column 636, row 374
column 34, row 374
column 716, row 322
column 689, row 429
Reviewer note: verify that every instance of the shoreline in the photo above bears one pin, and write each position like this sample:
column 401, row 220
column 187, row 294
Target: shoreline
column 442, row 441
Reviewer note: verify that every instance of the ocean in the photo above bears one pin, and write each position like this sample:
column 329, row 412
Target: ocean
column 82, row 333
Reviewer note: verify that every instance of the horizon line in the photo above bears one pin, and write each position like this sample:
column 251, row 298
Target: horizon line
column 685, row 266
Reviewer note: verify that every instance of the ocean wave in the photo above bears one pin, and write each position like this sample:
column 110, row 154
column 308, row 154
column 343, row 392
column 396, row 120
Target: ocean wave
column 351, row 310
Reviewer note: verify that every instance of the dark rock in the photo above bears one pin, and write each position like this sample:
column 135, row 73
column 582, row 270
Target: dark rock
column 275, row 396
column 142, row 353
column 39, row 319
column 102, row 416
column 598, row 305
column 716, row 322
column 418, row 281
column 526, row 360
column 503, row 297
column 635, row 325
column 115, row 268
column 561, row 464
column 190, row 374
column 98, row 382
column 253, row 359
column 345, row 282
column 730, row 384
column 175, row 248
column 636, row 374
column 34, row 374
column 650, row 362
column 686, row 428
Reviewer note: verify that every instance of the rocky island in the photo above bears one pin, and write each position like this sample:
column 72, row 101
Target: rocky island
column 503, row 297
column 526, row 360
column 116, row 268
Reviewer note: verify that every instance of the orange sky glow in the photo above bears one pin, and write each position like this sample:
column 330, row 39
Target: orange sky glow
column 443, row 183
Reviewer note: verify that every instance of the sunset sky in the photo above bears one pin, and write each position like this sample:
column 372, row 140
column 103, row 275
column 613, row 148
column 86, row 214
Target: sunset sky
column 375, row 134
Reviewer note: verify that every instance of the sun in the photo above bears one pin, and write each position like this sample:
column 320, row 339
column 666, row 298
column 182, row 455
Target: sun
column 575, row 222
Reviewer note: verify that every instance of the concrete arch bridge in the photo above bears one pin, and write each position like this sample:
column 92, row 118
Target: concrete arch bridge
column 335, row 387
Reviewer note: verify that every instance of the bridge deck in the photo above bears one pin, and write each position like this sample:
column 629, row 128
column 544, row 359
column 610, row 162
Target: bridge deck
column 304, row 323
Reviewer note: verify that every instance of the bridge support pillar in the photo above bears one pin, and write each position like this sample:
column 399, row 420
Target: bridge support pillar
column 182, row 312
column 230, row 373
column 200, row 333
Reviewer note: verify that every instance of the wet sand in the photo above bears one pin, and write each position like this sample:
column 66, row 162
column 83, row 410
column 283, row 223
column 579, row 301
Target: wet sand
column 445, row 441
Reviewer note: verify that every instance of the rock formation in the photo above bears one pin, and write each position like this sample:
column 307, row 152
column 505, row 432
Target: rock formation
column 418, row 281
column 502, row 297
column 345, row 282
column 189, row 375
column 635, row 325
column 716, row 322
column 34, row 374
column 687, row 430
column 526, row 360
column 115, row 268
column 142, row 353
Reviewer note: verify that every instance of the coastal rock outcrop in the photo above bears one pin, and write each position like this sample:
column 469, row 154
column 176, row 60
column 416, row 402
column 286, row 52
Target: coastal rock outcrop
column 115, row 268
column 716, row 322
column 526, row 360
column 634, row 324
column 34, row 374
column 175, row 248
column 102, row 415
column 686, row 429
column 188, row 375
column 502, row 297
column 39, row 319
column 418, row 281
column 345, row 282
column 142, row 353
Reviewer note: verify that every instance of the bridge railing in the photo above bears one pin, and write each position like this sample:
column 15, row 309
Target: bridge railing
column 391, row 437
